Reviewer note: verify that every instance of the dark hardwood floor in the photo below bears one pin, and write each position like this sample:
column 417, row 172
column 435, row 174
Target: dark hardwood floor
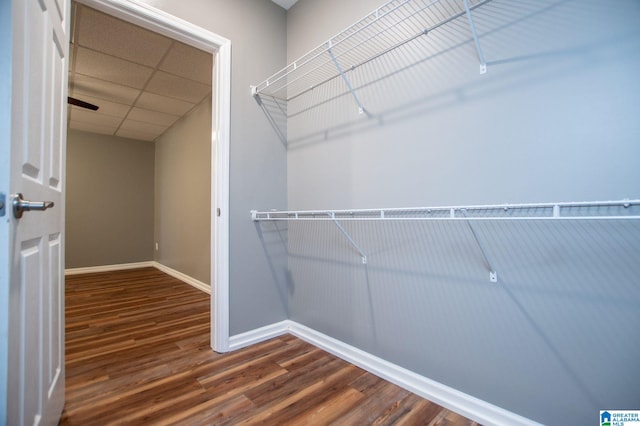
column 137, row 352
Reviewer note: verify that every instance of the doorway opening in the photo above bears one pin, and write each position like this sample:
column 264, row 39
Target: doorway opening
column 182, row 36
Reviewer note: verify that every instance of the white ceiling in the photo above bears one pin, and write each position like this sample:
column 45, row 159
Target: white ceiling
column 142, row 81
column 285, row 3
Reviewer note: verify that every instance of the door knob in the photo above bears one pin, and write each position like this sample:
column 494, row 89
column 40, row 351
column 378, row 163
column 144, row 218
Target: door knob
column 20, row 205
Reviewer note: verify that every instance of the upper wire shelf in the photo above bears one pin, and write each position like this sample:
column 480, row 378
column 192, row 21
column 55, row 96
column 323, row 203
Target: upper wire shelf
column 607, row 210
column 392, row 25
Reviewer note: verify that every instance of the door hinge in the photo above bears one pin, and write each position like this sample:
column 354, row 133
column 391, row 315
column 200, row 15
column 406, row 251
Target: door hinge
column 218, row 211
column 2, row 204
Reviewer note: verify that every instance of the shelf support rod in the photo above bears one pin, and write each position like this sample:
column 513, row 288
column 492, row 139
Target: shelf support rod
column 361, row 109
column 493, row 275
column 483, row 63
column 348, row 237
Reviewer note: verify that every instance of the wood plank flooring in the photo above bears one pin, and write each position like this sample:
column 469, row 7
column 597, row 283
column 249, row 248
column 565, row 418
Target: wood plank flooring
column 137, row 352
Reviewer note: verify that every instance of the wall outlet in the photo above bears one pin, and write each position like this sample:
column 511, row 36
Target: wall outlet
column 157, row 246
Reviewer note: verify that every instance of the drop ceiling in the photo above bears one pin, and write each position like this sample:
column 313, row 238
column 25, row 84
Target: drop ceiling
column 143, row 82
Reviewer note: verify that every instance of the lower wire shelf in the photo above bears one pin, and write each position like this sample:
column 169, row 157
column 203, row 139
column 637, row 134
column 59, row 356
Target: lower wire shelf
column 583, row 210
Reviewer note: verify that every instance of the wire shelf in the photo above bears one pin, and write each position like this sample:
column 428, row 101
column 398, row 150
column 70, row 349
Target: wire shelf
column 589, row 210
column 385, row 29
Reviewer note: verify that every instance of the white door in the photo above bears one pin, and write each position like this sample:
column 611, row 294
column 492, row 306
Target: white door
column 35, row 387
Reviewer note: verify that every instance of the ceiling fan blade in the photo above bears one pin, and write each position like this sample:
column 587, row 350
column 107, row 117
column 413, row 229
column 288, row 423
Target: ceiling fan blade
column 82, row 104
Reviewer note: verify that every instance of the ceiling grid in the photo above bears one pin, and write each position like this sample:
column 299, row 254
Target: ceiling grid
column 143, row 82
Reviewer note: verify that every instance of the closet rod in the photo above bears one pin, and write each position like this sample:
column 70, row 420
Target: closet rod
column 629, row 209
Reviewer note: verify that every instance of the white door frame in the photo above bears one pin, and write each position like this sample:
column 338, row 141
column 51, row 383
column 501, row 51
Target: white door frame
column 161, row 22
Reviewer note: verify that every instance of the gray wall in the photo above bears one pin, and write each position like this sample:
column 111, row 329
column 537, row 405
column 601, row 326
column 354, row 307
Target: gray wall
column 257, row 30
column 183, row 194
column 554, row 119
column 124, row 195
column 109, row 194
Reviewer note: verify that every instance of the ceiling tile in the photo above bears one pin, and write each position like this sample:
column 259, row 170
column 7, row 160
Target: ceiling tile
column 92, row 128
column 177, row 87
column 94, row 117
column 154, row 102
column 189, row 62
column 106, row 107
column 115, row 37
column 110, row 68
column 153, row 117
column 142, row 126
column 83, row 85
column 136, row 134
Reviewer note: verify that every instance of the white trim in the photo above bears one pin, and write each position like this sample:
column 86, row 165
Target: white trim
column 159, row 21
column 220, row 202
column 144, row 15
column 460, row 402
column 452, row 399
column 109, row 268
column 258, row 335
column 137, row 265
column 6, row 239
column 183, row 277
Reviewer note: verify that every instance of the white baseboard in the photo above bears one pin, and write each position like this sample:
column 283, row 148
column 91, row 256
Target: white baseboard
column 183, row 277
column 452, row 399
column 109, row 268
column 258, row 335
column 150, row 264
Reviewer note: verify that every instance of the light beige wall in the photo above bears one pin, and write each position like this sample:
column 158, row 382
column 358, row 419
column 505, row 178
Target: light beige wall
column 183, row 195
column 109, row 217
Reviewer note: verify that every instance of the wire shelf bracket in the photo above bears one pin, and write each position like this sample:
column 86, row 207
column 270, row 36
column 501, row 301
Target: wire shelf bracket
column 345, row 78
column 483, row 62
column 493, row 274
column 348, row 237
